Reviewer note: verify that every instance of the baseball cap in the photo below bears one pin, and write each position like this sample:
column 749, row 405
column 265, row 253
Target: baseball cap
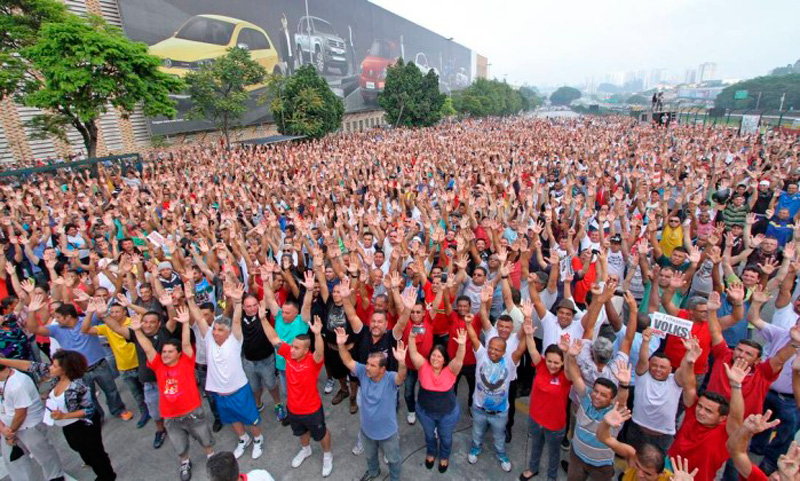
column 164, row 265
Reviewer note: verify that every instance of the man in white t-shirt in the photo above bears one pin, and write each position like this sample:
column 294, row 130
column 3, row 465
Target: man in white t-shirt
column 21, row 413
column 657, row 394
column 226, row 378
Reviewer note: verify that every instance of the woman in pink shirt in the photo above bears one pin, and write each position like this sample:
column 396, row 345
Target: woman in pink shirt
column 437, row 407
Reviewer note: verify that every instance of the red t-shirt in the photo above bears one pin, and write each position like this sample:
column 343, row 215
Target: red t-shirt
column 674, row 349
column 177, row 387
column 366, row 314
column 424, row 340
column 703, row 447
column 457, row 323
column 441, row 323
column 754, row 386
column 549, row 395
column 583, row 286
column 301, row 381
column 755, row 475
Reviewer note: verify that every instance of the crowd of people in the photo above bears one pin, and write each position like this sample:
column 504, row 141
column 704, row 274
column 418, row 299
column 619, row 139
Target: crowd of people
column 537, row 258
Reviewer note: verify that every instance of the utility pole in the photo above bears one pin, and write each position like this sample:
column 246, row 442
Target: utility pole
column 783, row 97
column 758, row 101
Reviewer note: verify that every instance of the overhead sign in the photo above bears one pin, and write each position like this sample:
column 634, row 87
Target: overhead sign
column 740, row 95
column 663, row 324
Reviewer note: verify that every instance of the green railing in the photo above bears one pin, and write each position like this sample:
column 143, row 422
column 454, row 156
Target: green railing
column 125, row 160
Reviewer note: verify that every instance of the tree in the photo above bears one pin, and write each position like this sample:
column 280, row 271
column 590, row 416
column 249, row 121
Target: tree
column 305, row 105
column 20, row 22
column 638, row 100
column 565, row 95
column 531, row 97
column 219, row 90
column 81, row 67
column 447, row 108
column 489, row 97
column 771, row 87
column 409, row 98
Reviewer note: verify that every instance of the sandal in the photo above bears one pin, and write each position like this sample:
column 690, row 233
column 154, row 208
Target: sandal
column 443, row 465
column 429, row 462
column 522, row 476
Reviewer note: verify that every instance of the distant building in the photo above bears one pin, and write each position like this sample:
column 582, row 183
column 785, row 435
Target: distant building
column 706, row 71
column 690, row 77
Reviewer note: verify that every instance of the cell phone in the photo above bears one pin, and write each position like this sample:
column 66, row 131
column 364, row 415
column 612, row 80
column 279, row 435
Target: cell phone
column 417, row 330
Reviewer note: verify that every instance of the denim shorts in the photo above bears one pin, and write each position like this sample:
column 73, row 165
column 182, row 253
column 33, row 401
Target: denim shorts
column 193, row 424
column 261, row 374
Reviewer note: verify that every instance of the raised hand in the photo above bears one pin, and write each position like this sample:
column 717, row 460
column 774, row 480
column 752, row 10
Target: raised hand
column 789, row 463
column 410, row 298
column 527, row 309
column 680, row 470
column 736, row 292
column 575, row 348
column 37, row 302
column 183, row 315
column 136, row 322
column 677, row 280
column 623, row 372
column 759, row 295
column 399, row 352
column 461, row 337
column 563, row 343
column 714, row 302
column 341, row 336
column 617, row 416
column 738, row 371
column 529, row 329
column 316, row 326
column 308, row 280
column 165, row 299
column 756, row 423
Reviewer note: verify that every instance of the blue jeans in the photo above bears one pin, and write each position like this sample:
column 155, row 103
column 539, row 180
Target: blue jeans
column 135, row 386
column 541, row 437
column 408, row 390
column 104, row 377
column 445, row 425
column 481, row 420
column 391, row 448
column 200, row 374
column 784, row 408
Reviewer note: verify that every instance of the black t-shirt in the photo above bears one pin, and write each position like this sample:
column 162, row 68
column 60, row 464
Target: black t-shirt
column 158, row 339
column 336, row 318
column 384, row 345
column 255, row 345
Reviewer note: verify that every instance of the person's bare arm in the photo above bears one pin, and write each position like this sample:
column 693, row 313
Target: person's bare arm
column 572, row 371
column 786, row 352
column 614, row 419
column 736, row 375
column 740, row 439
column 319, row 344
column 341, row 343
column 186, row 336
column 458, row 361
column 416, row 358
column 144, row 342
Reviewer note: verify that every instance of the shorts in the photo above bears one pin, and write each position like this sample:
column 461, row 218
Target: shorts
column 261, row 373
column 313, row 423
column 151, row 400
column 192, row 424
column 334, row 365
column 238, row 407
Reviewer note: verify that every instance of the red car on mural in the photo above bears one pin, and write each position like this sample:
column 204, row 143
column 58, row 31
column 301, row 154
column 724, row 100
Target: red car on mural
column 381, row 55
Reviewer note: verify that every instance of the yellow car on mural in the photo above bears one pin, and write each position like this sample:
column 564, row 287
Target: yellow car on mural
column 203, row 38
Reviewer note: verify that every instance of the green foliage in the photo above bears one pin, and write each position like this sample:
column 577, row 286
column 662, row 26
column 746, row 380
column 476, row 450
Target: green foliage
column 305, row 105
column 489, row 97
column 565, row 95
column 638, row 100
column 82, row 67
column 409, row 98
column 447, row 108
column 219, row 90
column 772, row 87
column 531, row 97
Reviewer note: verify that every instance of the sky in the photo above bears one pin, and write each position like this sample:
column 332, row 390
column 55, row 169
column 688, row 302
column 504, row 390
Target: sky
column 562, row 42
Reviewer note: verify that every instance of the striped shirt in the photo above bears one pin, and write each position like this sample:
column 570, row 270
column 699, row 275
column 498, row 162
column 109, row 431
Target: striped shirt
column 585, row 443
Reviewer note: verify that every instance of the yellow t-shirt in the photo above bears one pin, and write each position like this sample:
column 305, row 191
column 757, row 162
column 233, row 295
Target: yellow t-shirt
column 124, row 351
column 670, row 239
column 630, row 475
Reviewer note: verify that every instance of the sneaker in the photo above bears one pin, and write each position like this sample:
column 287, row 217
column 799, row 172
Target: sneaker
column 142, row 421
column 340, row 396
column 258, row 447
column 241, row 446
column 358, row 448
column 565, row 444
column 411, row 418
column 370, row 477
column 327, row 464
column 186, row 471
column 158, row 440
column 505, row 464
column 329, row 386
column 217, row 427
column 301, row 456
column 280, row 412
column 260, row 407
column 472, row 457
column 125, row 415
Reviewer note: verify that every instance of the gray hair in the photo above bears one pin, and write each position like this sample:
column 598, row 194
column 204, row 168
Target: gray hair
column 602, row 350
column 223, row 321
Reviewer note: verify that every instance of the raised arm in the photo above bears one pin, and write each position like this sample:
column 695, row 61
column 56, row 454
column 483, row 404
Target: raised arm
column 630, row 328
column 740, row 439
column 643, row 363
column 416, row 358
column 319, row 344
column 235, row 294
column 736, row 375
column 614, row 419
column 458, row 360
column 714, row 327
column 144, row 342
column 572, row 370
column 186, row 335
column 341, row 343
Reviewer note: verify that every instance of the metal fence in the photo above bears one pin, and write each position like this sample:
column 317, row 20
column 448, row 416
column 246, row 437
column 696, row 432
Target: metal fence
column 786, row 121
column 126, row 161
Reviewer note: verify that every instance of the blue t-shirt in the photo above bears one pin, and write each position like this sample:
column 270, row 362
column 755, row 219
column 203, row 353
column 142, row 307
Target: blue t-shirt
column 74, row 340
column 378, row 404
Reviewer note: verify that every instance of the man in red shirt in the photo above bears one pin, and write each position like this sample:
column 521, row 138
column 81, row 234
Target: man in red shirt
column 762, row 374
column 708, row 422
column 306, row 415
column 458, row 321
column 179, row 398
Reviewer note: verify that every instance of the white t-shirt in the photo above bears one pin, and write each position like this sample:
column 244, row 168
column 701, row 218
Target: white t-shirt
column 552, row 331
column 200, row 347
column 785, row 317
column 511, row 343
column 259, row 475
column 225, row 371
column 18, row 392
column 492, row 380
column 616, row 264
column 655, row 403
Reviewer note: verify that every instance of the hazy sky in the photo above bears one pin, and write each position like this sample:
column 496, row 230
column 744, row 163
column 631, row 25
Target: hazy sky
column 552, row 42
